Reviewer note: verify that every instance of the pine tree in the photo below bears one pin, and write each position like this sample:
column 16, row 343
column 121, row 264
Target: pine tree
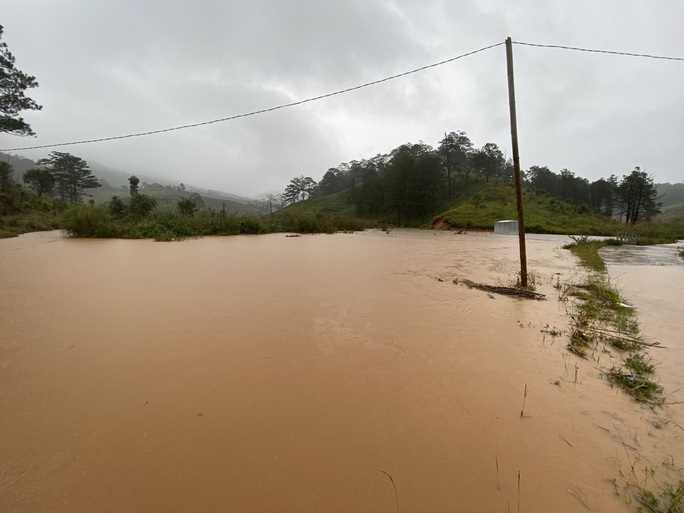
column 13, row 83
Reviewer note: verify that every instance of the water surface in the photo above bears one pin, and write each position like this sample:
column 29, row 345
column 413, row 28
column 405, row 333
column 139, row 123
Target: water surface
column 272, row 373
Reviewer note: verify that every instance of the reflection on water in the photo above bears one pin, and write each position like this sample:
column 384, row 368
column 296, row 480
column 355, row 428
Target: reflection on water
column 265, row 373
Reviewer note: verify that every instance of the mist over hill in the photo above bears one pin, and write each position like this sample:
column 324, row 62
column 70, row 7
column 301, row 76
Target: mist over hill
column 115, row 182
column 671, row 195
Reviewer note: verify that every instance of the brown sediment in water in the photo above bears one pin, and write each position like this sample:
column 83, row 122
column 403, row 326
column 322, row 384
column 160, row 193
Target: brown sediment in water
column 265, row 373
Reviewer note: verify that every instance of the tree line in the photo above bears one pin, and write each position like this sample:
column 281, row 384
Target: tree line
column 414, row 181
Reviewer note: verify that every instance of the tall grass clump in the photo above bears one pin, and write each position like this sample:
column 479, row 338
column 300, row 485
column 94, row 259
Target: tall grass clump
column 90, row 221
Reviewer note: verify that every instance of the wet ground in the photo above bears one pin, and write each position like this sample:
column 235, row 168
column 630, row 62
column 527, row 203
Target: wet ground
column 315, row 373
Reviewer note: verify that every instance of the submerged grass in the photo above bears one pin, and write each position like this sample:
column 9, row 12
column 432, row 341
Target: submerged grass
column 670, row 501
column 587, row 251
column 603, row 320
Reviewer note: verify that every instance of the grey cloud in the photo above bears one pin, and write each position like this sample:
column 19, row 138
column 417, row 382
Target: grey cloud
column 110, row 68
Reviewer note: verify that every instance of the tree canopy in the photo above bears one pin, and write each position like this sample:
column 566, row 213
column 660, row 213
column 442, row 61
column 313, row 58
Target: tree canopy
column 72, row 175
column 636, row 197
column 415, row 180
column 13, row 84
column 40, row 180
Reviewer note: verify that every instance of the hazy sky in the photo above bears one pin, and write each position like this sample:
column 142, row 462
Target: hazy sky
column 108, row 68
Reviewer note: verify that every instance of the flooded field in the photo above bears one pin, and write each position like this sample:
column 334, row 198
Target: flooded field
column 316, row 373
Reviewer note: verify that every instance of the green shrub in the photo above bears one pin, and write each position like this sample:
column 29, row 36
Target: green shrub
column 89, row 221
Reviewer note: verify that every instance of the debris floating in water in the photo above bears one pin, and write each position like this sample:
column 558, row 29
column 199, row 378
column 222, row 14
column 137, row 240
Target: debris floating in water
column 506, row 291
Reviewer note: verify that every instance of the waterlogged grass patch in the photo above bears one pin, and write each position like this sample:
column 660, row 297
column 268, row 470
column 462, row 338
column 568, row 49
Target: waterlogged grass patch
column 641, row 387
column 603, row 321
column 670, row 501
column 640, row 364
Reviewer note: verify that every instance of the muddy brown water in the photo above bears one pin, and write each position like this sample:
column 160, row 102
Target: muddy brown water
column 282, row 374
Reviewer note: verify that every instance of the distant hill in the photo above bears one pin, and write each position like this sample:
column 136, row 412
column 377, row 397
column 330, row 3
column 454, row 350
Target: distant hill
column 19, row 164
column 672, row 198
column 167, row 194
column 670, row 194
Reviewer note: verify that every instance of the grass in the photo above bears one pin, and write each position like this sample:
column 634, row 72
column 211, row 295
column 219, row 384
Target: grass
column 588, row 251
column 639, row 364
column 336, row 205
column 603, row 320
column 670, row 501
column 642, row 388
column 14, row 225
column 601, row 317
column 480, row 205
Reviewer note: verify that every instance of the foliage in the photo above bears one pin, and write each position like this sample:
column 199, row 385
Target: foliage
column 89, row 221
column 40, row 180
column 456, row 150
column 134, row 182
column 167, row 197
column 565, row 185
column 489, row 161
column 334, row 180
column 117, row 207
column 6, row 178
column 166, row 225
column 187, row 207
column 300, row 188
column 23, row 210
column 636, row 197
column 141, row 205
column 72, row 175
column 406, row 185
column 13, row 99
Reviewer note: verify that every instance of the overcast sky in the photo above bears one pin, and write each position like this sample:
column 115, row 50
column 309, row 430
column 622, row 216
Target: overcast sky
column 108, row 68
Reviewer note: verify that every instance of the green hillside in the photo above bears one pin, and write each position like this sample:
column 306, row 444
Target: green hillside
column 338, row 204
column 495, row 201
column 481, row 204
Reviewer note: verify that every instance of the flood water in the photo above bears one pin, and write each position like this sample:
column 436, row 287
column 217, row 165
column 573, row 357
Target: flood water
column 315, row 373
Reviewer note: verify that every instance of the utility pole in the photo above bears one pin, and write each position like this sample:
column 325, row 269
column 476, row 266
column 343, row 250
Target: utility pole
column 446, row 146
column 516, row 163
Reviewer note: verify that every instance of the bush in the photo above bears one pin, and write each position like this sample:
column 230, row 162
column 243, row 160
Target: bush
column 89, row 221
column 250, row 225
column 141, row 205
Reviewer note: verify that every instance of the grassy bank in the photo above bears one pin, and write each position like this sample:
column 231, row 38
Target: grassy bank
column 602, row 323
column 22, row 211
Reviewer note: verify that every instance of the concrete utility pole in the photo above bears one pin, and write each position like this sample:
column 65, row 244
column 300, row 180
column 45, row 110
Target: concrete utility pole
column 516, row 163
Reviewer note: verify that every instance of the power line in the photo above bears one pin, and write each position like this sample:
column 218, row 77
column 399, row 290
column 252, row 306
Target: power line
column 261, row 111
column 628, row 54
